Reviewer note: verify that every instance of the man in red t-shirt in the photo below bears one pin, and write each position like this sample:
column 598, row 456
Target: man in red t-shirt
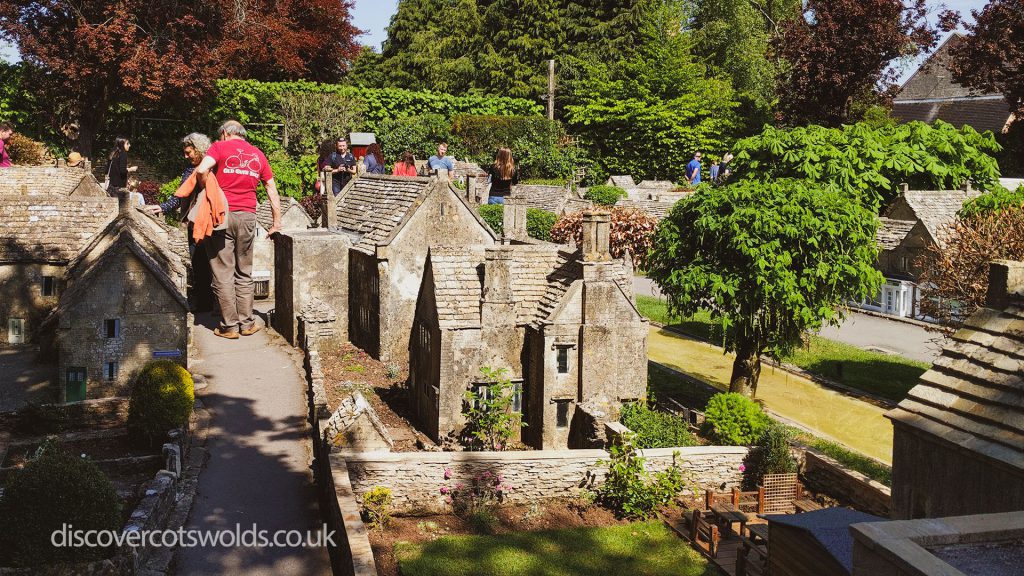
column 239, row 167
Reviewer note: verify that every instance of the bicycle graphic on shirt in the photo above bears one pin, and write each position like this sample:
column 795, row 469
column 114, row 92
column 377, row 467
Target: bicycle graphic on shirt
column 243, row 163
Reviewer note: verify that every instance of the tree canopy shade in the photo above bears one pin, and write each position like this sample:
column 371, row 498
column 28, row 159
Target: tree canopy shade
column 991, row 57
column 872, row 161
column 647, row 114
column 89, row 56
column 770, row 260
column 837, row 55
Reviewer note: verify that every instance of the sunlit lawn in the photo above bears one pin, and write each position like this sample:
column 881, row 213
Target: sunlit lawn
column 641, row 549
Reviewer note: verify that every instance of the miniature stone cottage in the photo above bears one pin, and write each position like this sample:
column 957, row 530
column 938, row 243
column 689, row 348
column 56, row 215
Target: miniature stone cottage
column 391, row 221
column 562, row 323
column 125, row 305
column 293, row 218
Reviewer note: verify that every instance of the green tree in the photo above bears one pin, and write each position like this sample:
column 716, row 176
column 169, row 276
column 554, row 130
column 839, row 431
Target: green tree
column 521, row 36
column 647, row 114
column 872, row 161
column 769, row 260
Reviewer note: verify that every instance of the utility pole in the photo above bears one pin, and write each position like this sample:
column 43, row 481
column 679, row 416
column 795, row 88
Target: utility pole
column 551, row 89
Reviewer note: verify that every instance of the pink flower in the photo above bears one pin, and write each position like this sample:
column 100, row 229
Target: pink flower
column 743, row 468
column 448, row 499
column 447, row 473
column 444, row 490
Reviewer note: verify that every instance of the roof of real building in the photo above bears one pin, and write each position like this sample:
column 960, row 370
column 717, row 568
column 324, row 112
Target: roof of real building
column 52, row 228
column 891, row 233
column 973, row 396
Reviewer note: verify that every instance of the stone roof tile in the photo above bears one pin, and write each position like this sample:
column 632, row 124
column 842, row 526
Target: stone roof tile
column 892, row 232
column 372, row 206
column 265, row 214
column 937, row 209
column 48, row 180
column 51, row 228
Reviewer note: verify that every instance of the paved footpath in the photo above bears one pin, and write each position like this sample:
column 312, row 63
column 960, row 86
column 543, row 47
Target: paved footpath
column 258, row 471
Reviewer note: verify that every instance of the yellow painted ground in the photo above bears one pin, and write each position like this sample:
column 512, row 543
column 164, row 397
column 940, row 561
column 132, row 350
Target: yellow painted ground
column 855, row 423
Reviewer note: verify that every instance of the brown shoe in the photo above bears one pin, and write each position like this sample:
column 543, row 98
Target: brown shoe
column 229, row 334
column 251, row 330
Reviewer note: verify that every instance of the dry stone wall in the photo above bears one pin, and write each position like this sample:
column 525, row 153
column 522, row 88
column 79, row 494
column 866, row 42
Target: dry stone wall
column 416, row 478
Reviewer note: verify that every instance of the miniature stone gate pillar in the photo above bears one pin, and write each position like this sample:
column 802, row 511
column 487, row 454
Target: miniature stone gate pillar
column 514, row 219
column 596, row 236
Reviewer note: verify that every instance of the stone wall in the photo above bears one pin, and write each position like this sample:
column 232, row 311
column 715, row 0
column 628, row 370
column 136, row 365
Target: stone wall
column 851, row 488
column 415, row 478
column 309, row 264
column 98, row 414
column 22, row 288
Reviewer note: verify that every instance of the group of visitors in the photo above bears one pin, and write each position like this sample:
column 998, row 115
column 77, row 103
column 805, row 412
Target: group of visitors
column 717, row 172
column 6, row 131
column 338, row 160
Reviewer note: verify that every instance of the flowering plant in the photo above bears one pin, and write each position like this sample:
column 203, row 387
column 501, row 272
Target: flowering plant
column 484, row 490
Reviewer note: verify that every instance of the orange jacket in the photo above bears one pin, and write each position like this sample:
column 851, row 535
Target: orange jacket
column 211, row 211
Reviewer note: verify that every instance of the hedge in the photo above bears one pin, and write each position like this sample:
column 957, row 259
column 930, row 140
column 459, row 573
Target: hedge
column 538, row 222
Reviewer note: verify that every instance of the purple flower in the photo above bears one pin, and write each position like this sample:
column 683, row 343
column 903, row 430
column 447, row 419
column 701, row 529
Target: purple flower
column 447, row 473
column 448, row 499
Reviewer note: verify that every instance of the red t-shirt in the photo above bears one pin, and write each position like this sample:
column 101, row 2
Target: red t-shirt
column 240, row 167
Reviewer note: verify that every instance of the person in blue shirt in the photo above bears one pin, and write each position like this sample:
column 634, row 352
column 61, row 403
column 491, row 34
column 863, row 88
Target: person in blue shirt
column 441, row 161
column 713, row 171
column 693, row 170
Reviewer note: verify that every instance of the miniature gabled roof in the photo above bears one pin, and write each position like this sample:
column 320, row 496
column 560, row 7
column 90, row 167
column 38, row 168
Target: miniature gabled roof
column 161, row 248
column 544, row 197
column 973, row 396
column 625, row 182
column 49, row 180
column 265, row 214
column 656, row 208
column 372, row 207
column 937, row 209
column 541, row 275
column 830, row 527
column 51, row 228
column 891, row 233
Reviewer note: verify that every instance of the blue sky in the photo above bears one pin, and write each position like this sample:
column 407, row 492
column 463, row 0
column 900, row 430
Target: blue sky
column 373, row 17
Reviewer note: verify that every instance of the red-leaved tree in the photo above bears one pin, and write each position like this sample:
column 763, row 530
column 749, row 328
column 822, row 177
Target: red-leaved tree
column 631, row 230
column 838, row 54
column 88, row 56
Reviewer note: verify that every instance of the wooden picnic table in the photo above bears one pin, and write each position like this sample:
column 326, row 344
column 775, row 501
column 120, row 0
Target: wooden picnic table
column 728, row 514
column 806, row 505
column 758, row 532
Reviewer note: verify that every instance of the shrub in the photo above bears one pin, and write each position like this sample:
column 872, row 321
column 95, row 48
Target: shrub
column 314, row 206
column 771, row 455
column 312, row 117
column 490, row 421
column 418, row 134
column 539, row 223
column 293, row 176
column 995, row 200
column 485, row 491
column 150, row 191
column 377, row 506
column 161, row 400
column 604, row 195
column 630, row 489
column 631, row 229
column 55, row 489
column 168, row 189
column 26, row 151
column 539, row 146
column 733, row 420
column 654, row 429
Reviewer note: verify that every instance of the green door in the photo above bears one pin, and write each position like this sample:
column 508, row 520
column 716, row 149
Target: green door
column 74, row 385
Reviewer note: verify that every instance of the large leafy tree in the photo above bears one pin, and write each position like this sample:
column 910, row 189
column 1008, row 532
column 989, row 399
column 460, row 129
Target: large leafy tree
column 736, row 37
column 870, row 162
column 991, row 57
column 837, row 56
column 89, row 56
column 647, row 114
column 770, row 260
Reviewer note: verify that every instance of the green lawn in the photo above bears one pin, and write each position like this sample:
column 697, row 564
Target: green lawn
column 642, row 549
column 890, row 377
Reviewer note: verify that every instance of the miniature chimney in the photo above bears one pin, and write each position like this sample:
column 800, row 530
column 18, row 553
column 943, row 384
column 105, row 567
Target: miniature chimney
column 498, row 307
column 596, row 236
column 1005, row 283
column 514, row 219
column 904, row 188
column 330, row 215
column 124, row 201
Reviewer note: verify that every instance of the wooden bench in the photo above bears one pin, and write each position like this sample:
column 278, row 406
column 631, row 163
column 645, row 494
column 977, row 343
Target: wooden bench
column 806, row 505
column 703, row 530
column 752, row 501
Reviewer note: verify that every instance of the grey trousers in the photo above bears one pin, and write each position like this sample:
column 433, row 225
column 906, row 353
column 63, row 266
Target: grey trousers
column 230, row 253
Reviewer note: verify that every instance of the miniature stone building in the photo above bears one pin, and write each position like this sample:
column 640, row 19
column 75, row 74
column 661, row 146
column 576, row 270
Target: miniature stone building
column 557, row 199
column 50, row 180
column 124, row 306
column 311, row 274
column 39, row 235
column 563, row 324
column 958, row 436
column 915, row 221
column 293, row 218
column 391, row 222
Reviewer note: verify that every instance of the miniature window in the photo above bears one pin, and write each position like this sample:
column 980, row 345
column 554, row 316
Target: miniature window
column 563, row 360
column 49, row 286
column 517, row 397
column 483, row 393
column 112, row 327
column 562, row 413
column 110, row 371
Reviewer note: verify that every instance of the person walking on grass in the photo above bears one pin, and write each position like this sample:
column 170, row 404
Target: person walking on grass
column 239, row 167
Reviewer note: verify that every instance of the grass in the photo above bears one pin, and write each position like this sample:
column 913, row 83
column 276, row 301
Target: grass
column 665, row 384
column 889, row 377
column 643, row 549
